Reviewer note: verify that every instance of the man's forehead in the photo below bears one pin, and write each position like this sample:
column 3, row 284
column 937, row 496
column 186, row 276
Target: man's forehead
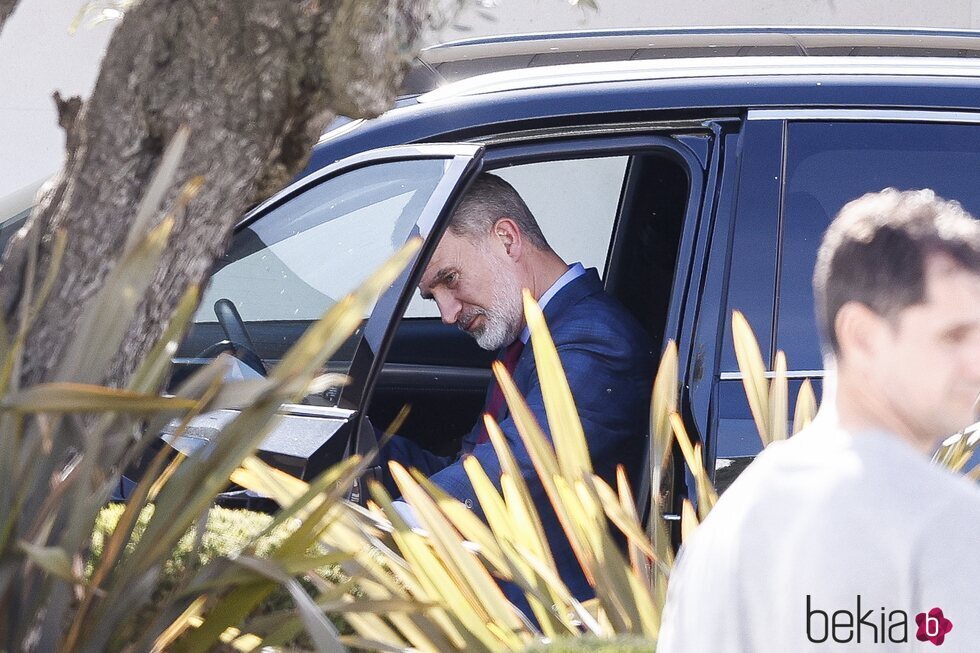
column 437, row 260
column 447, row 253
column 942, row 269
column 951, row 292
column 942, row 264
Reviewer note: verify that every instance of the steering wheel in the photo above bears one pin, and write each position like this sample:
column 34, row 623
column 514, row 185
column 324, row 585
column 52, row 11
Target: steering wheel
column 237, row 339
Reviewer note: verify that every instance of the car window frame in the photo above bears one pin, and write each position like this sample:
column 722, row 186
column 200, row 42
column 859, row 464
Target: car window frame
column 601, row 145
column 702, row 162
column 606, row 144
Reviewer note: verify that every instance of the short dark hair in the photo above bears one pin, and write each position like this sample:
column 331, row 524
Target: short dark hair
column 487, row 200
column 875, row 252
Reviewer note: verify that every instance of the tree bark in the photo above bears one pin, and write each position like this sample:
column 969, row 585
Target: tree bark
column 6, row 8
column 256, row 81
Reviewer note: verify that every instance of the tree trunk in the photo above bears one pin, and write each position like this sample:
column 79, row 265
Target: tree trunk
column 256, row 81
column 6, row 8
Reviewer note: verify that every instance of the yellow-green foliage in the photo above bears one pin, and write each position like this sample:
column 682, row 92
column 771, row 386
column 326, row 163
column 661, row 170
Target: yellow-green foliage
column 594, row 645
column 226, row 532
column 437, row 587
column 63, row 444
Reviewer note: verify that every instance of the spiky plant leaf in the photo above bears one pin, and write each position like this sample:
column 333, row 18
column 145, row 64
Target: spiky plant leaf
column 689, row 520
column 324, row 634
column 521, row 506
column 11, row 352
column 161, row 182
column 806, row 407
column 750, row 362
column 566, row 428
column 52, row 559
column 85, row 398
column 471, row 527
column 663, row 402
column 778, row 400
column 542, row 454
column 107, row 317
column 469, row 584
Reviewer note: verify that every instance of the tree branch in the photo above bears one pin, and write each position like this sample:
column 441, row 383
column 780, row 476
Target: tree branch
column 256, row 81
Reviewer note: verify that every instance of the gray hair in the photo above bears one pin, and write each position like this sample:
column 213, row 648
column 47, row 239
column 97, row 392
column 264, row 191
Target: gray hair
column 489, row 199
column 875, row 252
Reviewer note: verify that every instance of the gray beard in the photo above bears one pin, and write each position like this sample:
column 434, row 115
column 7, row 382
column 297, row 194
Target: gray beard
column 504, row 316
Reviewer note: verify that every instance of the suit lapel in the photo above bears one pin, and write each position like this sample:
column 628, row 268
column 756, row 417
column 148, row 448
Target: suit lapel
column 576, row 290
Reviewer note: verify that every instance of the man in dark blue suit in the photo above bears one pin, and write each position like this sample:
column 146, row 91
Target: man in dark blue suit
column 492, row 249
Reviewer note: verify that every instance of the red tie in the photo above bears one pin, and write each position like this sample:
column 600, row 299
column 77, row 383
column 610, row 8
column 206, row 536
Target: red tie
column 496, row 404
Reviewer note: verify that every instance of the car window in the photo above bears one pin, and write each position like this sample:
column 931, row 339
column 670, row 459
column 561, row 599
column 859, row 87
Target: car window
column 575, row 203
column 300, row 258
column 294, row 262
column 827, row 165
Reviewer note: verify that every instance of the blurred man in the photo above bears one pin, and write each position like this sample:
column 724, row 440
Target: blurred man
column 492, row 249
column 847, row 537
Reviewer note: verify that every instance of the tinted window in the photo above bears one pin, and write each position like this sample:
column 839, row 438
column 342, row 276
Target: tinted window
column 829, row 164
column 574, row 202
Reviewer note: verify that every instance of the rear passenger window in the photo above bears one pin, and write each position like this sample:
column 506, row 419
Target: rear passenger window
column 827, row 165
column 575, row 202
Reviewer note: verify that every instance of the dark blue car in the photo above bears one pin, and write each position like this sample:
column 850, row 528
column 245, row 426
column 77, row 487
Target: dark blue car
column 696, row 169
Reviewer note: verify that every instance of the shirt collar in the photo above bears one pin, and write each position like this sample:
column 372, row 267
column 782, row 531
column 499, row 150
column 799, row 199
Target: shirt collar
column 575, row 270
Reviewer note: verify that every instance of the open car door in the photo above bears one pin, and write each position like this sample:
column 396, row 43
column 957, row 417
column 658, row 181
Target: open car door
column 293, row 257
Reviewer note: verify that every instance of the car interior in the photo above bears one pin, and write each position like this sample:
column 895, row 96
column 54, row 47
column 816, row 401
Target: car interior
column 442, row 376
column 621, row 214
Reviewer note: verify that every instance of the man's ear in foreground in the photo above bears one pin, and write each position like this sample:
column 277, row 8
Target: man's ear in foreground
column 508, row 234
column 861, row 334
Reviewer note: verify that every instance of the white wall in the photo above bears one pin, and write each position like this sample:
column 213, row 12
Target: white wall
column 37, row 56
column 509, row 16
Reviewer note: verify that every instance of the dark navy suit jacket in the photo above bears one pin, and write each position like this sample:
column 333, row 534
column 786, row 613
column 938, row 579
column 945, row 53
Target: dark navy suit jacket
column 609, row 362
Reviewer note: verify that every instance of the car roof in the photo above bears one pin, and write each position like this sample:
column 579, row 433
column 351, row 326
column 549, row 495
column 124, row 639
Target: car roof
column 702, row 68
column 16, row 204
column 450, row 62
column 510, row 103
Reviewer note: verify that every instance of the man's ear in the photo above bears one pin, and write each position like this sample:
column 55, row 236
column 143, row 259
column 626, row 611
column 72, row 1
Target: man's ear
column 506, row 231
column 860, row 333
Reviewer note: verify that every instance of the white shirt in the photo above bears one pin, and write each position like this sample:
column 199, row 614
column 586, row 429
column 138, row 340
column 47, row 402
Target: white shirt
column 830, row 516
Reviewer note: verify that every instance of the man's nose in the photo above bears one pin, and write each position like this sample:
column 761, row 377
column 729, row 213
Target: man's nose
column 449, row 309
